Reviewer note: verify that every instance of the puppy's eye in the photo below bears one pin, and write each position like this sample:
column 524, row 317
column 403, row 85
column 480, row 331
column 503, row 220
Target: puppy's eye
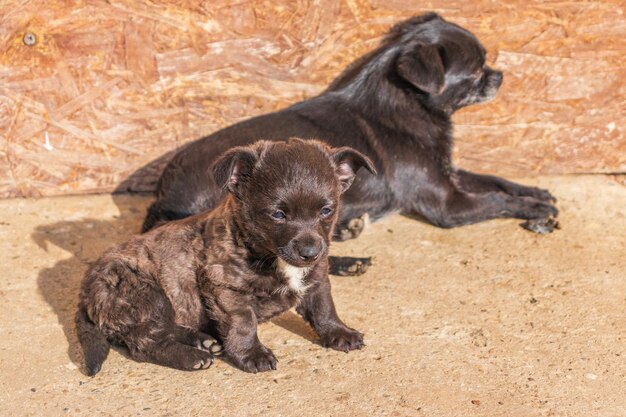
column 279, row 215
column 326, row 211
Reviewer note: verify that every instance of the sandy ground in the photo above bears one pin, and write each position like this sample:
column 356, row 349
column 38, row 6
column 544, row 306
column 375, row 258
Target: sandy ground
column 484, row 320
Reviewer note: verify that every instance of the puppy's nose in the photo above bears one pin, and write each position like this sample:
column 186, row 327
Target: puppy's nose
column 309, row 253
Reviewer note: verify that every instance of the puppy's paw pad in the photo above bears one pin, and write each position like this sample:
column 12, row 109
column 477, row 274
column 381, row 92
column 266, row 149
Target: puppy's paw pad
column 211, row 345
column 207, row 343
column 216, row 349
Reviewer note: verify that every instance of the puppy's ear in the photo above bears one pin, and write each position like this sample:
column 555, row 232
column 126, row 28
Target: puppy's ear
column 421, row 65
column 347, row 163
column 234, row 166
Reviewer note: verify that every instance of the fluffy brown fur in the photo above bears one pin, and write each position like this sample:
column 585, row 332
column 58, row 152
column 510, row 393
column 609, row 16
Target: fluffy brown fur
column 180, row 293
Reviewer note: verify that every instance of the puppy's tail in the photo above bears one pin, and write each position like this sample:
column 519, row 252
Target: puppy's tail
column 95, row 345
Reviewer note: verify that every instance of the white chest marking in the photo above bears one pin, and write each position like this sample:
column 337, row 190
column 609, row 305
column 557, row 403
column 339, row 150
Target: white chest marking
column 295, row 276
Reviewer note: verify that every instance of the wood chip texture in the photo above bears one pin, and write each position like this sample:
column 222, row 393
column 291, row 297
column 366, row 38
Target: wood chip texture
column 110, row 89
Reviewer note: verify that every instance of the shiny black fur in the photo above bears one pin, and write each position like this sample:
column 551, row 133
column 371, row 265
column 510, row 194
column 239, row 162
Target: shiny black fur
column 394, row 105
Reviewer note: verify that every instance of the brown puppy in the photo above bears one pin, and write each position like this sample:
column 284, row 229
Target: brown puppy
column 169, row 294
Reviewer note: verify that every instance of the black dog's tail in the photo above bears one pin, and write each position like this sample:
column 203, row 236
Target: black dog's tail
column 153, row 218
column 157, row 215
column 95, row 345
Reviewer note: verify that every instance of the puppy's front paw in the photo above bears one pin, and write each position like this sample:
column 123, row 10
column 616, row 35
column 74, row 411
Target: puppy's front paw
column 257, row 359
column 196, row 359
column 344, row 339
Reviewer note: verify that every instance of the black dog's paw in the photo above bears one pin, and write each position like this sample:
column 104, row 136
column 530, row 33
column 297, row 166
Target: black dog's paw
column 543, row 195
column 535, row 192
column 257, row 359
column 541, row 226
column 353, row 229
column 343, row 339
column 530, row 208
column 348, row 266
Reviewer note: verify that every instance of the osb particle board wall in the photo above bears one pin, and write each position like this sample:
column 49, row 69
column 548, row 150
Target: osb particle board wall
column 110, row 86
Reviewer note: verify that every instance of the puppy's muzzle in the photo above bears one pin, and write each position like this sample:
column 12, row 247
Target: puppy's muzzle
column 303, row 252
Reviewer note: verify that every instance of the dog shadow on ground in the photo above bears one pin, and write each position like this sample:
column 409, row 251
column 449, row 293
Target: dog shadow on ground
column 86, row 240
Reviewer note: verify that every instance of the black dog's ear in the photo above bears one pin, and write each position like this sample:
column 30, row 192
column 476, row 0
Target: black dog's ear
column 234, row 166
column 347, row 163
column 422, row 66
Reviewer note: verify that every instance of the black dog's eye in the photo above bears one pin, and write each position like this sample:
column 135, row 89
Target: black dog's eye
column 279, row 215
column 326, row 211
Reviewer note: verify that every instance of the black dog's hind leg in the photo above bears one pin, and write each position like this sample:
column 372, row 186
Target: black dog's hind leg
column 448, row 206
column 351, row 228
column 347, row 265
column 476, row 183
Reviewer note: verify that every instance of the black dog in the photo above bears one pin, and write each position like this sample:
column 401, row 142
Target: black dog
column 261, row 251
column 394, row 105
